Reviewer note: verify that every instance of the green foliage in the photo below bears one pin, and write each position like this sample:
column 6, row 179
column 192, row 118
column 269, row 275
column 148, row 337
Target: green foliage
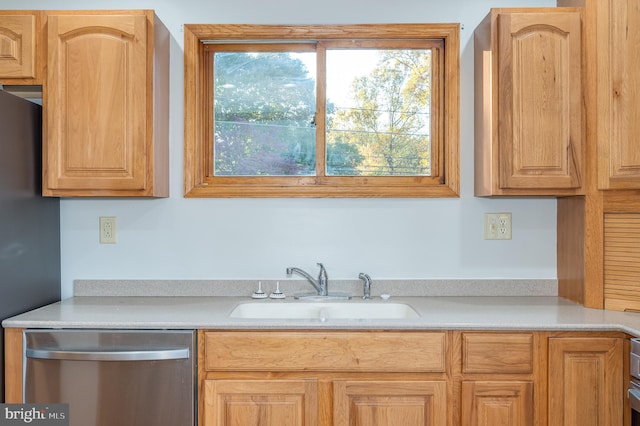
column 389, row 121
column 343, row 159
column 263, row 108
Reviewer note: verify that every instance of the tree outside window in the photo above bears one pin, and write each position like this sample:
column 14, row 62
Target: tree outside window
column 321, row 115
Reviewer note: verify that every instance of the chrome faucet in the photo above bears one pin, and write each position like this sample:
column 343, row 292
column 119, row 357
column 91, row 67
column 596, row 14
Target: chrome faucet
column 321, row 284
column 366, row 281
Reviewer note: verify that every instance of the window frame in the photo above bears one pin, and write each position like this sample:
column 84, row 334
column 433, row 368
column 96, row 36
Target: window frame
column 198, row 179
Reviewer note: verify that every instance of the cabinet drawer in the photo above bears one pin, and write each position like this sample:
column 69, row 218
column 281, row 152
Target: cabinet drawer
column 324, row 351
column 497, row 353
column 18, row 34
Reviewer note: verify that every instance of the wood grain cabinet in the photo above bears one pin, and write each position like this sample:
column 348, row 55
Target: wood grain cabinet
column 622, row 261
column 498, row 379
column 585, row 381
column 389, row 403
column 288, row 378
column 408, row 378
column 106, row 96
column 492, row 403
column 260, row 402
column 618, row 94
column 20, row 47
column 597, row 234
column 528, row 103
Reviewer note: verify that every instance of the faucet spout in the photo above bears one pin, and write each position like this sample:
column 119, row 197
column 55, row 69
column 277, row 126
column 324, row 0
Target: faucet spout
column 366, row 288
column 321, row 284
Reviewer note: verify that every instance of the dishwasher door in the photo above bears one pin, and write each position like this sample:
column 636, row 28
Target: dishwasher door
column 113, row 378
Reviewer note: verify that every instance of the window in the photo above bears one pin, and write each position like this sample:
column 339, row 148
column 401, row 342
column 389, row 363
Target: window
column 321, row 111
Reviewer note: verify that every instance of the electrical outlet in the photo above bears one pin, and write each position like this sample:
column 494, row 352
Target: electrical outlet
column 497, row 226
column 107, row 229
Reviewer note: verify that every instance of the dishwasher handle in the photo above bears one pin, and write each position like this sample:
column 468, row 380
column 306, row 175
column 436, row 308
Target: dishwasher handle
column 100, row 355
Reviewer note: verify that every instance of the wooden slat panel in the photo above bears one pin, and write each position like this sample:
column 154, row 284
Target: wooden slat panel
column 621, row 260
column 618, row 93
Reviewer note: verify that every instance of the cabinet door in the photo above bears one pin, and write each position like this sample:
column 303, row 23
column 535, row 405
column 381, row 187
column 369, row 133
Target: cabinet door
column 618, row 94
column 96, row 95
column 17, row 46
column 540, row 100
column 390, row 403
column 260, row 402
column 585, row 381
column 497, row 403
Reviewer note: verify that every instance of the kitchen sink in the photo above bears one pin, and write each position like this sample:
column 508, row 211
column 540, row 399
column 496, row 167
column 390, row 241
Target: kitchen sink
column 324, row 310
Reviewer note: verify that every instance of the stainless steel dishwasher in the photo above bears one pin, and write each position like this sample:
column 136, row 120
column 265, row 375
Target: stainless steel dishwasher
column 113, row 378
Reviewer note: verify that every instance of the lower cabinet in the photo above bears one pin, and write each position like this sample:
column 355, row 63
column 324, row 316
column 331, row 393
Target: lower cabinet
column 260, row 402
column 389, row 403
column 507, row 403
column 412, row 378
column 586, row 385
column 499, row 373
column 279, row 402
column 341, row 378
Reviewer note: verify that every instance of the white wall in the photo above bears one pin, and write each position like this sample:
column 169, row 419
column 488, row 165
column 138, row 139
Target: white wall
column 179, row 238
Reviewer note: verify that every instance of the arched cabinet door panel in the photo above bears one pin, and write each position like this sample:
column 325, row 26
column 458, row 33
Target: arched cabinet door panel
column 529, row 109
column 102, row 137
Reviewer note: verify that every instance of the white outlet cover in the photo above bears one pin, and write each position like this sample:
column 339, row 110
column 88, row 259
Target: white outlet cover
column 108, row 230
column 497, row 226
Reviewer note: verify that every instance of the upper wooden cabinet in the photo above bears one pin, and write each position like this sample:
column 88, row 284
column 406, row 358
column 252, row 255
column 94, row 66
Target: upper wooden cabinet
column 106, row 96
column 596, row 265
column 20, row 47
column 528, row 103
column 260, row 402
column 618, row 94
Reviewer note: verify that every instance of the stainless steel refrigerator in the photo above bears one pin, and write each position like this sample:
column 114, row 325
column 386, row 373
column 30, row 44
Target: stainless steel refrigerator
column 29, row 223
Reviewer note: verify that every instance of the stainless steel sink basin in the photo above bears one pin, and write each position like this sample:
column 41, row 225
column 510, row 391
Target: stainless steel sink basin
column 324, row 310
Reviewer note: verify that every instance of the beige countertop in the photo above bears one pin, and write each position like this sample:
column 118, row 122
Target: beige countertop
column 189, row 312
